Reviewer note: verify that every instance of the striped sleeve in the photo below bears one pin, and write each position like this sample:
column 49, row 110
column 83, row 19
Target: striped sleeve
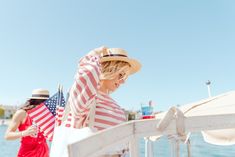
column 84, row 88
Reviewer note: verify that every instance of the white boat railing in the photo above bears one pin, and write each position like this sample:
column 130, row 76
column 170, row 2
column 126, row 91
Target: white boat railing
column 130, row 132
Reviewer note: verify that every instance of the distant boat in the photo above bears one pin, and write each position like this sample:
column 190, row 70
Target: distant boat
column 3, row 122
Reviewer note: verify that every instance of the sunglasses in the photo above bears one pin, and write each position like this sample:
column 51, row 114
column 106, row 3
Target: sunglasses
column 122, row 76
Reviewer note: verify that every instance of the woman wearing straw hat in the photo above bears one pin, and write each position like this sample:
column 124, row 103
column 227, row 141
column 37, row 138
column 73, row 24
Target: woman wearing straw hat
column 99, row 74
column 33, row 143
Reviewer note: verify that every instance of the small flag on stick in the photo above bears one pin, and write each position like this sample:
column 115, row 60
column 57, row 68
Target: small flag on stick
column 47, row 114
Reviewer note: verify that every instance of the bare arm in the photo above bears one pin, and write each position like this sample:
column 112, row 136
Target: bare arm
column 18, row 118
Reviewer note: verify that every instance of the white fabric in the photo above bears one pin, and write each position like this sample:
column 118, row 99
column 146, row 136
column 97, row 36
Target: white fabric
column 220, row 137
column 64, row 136
column 219, row 105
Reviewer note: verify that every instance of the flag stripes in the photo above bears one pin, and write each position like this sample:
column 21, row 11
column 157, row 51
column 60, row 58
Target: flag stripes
column 49, row 114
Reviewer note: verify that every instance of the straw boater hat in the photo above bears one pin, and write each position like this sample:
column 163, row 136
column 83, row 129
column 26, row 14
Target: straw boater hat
column 40, row 94
column 118, row 54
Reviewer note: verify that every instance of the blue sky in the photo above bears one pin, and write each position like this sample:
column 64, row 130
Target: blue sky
column 181, row 44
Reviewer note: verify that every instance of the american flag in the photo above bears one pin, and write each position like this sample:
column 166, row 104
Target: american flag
column 44, row 115
column 60, row 109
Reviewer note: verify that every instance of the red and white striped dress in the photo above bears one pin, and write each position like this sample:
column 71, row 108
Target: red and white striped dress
column 84, row 95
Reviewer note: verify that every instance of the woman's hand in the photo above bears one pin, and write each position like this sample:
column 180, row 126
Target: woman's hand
column 30, row 131
column 100, row 51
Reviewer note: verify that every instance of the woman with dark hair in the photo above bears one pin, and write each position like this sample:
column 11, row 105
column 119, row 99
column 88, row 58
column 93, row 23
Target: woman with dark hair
column 33, row 143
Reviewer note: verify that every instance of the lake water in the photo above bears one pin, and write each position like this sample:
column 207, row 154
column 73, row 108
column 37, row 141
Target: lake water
column 161, row 148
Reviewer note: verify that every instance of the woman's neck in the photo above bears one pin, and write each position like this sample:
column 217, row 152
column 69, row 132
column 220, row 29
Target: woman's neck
column 103, row 89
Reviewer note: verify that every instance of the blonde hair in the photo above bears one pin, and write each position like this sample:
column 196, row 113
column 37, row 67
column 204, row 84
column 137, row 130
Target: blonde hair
column 110, row 69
